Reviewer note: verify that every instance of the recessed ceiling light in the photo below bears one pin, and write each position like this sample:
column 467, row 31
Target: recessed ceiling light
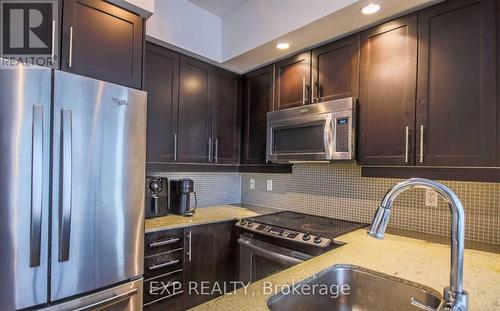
column 370, row 9
column 282, row 46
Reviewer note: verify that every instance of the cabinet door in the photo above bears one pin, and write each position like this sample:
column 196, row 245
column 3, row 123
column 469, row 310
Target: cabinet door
column 225, row 254
column 195, row 98
column 226, row 117
column 102, row 41
column 336, row 70
column 258, row 101
column 388, row 67
column 199, row 269
column 162, row 84
column 456, row 100
column 293, row 78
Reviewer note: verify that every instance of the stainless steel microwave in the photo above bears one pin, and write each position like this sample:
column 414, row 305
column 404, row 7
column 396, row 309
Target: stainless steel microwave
column 319, row 132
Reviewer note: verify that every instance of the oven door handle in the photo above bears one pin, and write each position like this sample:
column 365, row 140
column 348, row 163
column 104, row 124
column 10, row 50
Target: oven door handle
column 278, row 257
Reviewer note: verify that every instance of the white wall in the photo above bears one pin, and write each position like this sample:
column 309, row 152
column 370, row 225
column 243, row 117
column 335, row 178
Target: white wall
column 148, row 5
column 183, row 24
column 260, row 21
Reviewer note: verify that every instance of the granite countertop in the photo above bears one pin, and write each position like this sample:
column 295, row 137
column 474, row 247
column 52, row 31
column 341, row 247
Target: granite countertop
column 412, row 259
column 206, row 215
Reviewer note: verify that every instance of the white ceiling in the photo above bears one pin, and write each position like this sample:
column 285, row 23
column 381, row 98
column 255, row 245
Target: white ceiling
column 241, row 35
column 218, row 7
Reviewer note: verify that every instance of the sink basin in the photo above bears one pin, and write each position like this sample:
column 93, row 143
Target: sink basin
column 347, row 287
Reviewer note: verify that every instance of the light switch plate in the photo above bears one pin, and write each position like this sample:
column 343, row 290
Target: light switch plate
column 269, row 185
column 431, row 198
column 252, row 184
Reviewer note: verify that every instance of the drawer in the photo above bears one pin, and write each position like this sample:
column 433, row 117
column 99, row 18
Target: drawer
column 163, row 263
column 163, row 241
column 162, row 288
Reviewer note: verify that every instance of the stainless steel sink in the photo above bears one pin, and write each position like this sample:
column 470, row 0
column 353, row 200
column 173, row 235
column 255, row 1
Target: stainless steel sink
column 364, row 290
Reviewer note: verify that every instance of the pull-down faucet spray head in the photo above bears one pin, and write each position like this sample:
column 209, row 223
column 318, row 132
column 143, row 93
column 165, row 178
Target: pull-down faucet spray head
column 455, row 298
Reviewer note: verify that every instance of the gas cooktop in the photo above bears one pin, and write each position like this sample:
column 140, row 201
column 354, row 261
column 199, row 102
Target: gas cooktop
column 302, row 228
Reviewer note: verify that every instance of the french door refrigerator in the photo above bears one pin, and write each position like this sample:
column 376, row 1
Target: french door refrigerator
column 72, row 163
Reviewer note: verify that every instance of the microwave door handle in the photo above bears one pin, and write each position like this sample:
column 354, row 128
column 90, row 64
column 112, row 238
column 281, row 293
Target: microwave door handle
column 328, row 137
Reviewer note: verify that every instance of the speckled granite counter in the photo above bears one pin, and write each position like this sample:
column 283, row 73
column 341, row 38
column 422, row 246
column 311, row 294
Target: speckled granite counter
column 412, row 259
column 205, row 215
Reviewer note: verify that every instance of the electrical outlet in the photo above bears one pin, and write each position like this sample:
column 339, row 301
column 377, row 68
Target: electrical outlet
column 252, row 184
column 269, row 185
column 431, row 198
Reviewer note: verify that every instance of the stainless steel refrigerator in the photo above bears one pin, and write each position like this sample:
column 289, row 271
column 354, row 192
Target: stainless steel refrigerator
column 72, row 165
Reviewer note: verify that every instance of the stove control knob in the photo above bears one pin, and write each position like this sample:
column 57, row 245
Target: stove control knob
column 250, row 224
column 318, row 240
column 243, row 222
column 306, row 236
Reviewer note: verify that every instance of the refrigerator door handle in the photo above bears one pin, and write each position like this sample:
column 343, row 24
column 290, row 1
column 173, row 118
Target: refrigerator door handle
column 67, row 163
column 36, row 186
column 109, row 301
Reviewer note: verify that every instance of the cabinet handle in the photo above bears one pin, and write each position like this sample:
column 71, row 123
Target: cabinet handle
column 163, row 265
column 407, row 134
column 162, row 243
column 421, row 144
column 318, row 90
column 70, row 61
column 175, row 147
column 189, row 245
column 209, row 155
column 303, row 90
column 53, row 55
column 216, row 150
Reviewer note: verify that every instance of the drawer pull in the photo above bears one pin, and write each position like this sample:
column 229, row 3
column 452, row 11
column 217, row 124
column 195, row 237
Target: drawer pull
column 163, row 265
column 162, row 243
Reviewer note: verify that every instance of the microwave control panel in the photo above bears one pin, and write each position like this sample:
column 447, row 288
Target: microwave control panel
column 342, row 134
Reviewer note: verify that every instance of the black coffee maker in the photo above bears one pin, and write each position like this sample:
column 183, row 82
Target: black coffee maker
column 180, row 197
column 156, row 197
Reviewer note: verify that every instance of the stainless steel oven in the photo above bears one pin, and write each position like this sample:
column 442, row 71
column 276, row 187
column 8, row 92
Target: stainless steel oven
column 320, row 132
column 259, row 259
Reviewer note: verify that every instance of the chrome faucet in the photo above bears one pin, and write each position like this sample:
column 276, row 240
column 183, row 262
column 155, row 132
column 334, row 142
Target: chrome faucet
column 455, row 298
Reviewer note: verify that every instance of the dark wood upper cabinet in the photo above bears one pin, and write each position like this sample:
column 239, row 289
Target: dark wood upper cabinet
column 456, row 97
column 335, row 70
column 226, row 117
column 293, row 81
column 161, row 81
column 195, row 101
column 102, row 41
column 387, row 93
column 258, row 101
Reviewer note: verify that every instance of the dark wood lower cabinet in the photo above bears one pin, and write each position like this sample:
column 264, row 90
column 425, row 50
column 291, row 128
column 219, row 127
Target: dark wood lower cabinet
column 211, row 261
column 207, row 261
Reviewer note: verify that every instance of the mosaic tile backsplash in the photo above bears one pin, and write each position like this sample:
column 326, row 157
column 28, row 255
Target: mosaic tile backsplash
column 211, row 188
column 338, row 190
